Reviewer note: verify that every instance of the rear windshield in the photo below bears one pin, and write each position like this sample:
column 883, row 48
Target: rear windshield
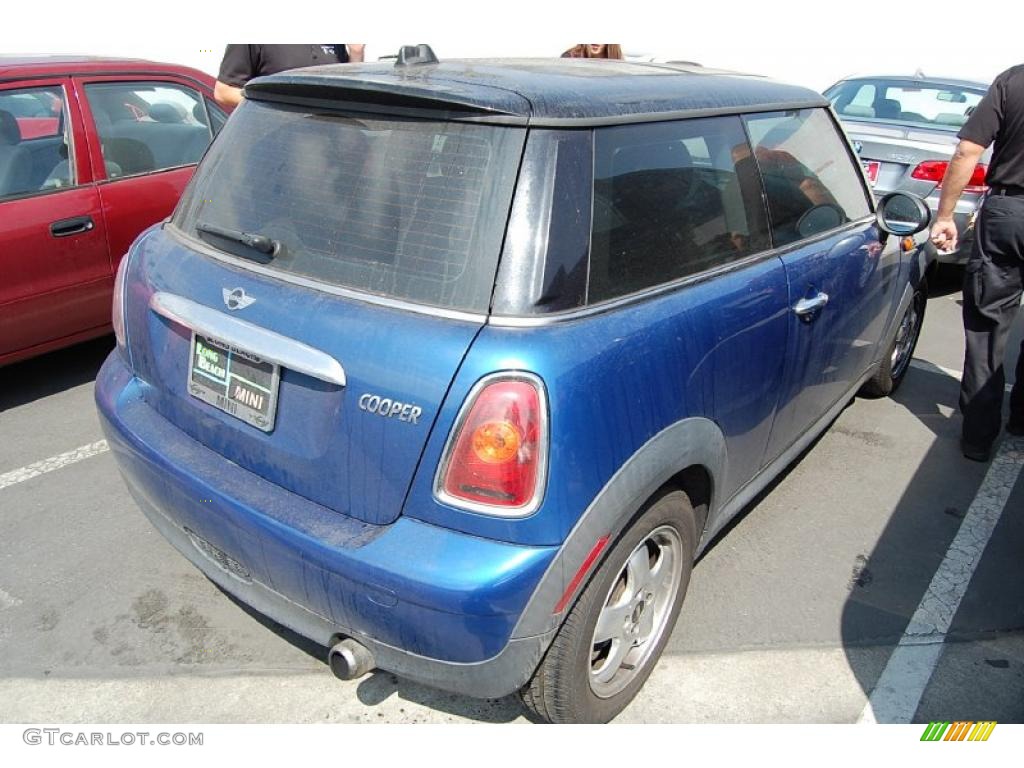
column 408, row 209
column 914, row 102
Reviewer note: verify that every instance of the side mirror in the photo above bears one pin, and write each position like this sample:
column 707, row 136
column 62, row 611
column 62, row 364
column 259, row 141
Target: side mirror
column 902, row 214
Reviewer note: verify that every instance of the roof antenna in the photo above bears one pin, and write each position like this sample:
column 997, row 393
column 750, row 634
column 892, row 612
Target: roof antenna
column 919, row 74
column 415, row 55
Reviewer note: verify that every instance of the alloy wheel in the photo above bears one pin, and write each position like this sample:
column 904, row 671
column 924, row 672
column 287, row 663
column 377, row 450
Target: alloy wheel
column 635, row 611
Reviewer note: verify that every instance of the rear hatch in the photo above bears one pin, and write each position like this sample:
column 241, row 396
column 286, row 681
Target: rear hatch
column 304, row 312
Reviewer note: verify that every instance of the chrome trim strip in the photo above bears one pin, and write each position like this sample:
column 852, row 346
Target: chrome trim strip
column 269, row 345
column 347, row 293
column 537, row 321
column 542, row 468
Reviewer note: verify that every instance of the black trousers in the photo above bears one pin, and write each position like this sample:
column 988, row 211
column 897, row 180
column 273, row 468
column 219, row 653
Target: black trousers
column 992, row 293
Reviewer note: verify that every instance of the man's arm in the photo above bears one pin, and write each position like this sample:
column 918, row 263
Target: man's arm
column 355, row 51
column 227, row 95
column 957, row 175
column 239, row 65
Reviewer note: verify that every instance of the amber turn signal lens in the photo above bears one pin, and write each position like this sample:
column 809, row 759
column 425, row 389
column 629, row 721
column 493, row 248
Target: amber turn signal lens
column 496, row 442
column 908, row 243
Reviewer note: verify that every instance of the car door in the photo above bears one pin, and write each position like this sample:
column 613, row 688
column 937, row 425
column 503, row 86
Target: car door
column 152, row 132
column 677, row 210
column 840, row 279
column 56, row 272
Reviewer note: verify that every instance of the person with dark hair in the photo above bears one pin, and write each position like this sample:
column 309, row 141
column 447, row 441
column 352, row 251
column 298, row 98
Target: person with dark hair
column 594, row 51
column 241, row 63
column 995, row 271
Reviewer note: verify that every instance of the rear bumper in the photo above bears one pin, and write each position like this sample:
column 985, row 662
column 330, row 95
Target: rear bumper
column 433, row 605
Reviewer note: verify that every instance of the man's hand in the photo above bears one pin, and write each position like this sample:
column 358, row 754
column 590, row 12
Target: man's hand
column 965, row 158
column 355, row 51
column 944, row 234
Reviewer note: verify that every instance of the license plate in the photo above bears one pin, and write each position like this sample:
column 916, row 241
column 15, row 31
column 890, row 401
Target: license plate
column 233, row 380
column 871, row 169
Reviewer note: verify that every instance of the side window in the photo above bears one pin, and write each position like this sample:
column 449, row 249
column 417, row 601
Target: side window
column 35, row 141
column 670, row 200
column 810, row 180
column 145, row 127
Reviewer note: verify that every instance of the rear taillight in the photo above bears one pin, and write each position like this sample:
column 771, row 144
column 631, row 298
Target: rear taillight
column 117, row 309
column 496, row 458
column 935, row 170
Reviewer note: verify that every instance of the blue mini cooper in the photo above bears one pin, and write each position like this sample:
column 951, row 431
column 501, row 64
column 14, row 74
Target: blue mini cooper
column 455, row 367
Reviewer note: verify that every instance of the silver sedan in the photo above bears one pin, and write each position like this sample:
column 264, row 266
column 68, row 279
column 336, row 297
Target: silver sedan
column 905, row 129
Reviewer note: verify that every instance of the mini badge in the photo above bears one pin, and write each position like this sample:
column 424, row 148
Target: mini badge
column 236, row 299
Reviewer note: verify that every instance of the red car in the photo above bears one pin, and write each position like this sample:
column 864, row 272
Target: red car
column 92, row 151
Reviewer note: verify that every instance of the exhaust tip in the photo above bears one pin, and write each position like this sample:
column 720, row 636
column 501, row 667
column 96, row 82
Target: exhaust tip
column 350, row 659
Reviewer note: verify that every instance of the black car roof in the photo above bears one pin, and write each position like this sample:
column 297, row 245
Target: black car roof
column 541, row 91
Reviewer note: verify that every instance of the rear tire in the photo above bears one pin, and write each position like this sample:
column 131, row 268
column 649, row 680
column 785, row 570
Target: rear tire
column 585, row 678
column 894, row 366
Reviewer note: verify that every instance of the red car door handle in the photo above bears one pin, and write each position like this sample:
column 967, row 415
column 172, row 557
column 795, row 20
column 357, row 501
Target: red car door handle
column 72, row 226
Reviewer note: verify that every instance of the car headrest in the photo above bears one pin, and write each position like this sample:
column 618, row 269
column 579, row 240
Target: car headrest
column 853, row 110
column 887, row 108
column 10, row 133
column 199, row 113
column 645, row 157
column 165, row 112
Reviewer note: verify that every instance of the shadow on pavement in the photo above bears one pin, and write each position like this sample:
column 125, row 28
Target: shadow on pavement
column 379, row 686
column 51, row 373
column 304, row 644
column 889, row 584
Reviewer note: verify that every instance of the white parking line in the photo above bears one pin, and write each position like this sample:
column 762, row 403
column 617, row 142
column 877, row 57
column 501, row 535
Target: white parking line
column 924, row 365
column 898, row 691
column 52, row 463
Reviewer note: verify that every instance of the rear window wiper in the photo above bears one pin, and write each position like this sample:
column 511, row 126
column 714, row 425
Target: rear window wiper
column 245, row 244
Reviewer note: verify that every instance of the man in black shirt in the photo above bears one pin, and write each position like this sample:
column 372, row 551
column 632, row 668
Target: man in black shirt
column 994, row 276
column 242, row 63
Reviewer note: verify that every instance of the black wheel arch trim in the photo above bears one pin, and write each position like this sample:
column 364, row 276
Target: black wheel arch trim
column 694, row 441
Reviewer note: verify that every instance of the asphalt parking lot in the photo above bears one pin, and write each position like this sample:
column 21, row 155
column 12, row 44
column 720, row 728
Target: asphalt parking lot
column 826, row 585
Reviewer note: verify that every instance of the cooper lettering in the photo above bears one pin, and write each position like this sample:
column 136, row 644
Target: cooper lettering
column 389, row 408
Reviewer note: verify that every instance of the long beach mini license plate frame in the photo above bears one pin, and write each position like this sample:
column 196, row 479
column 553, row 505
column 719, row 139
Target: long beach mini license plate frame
column 233, row 380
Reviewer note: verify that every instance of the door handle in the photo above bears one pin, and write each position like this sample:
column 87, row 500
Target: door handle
column 807, row 309
column 72, row 226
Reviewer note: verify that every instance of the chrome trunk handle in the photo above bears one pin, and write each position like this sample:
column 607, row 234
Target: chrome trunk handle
column 271, row 346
